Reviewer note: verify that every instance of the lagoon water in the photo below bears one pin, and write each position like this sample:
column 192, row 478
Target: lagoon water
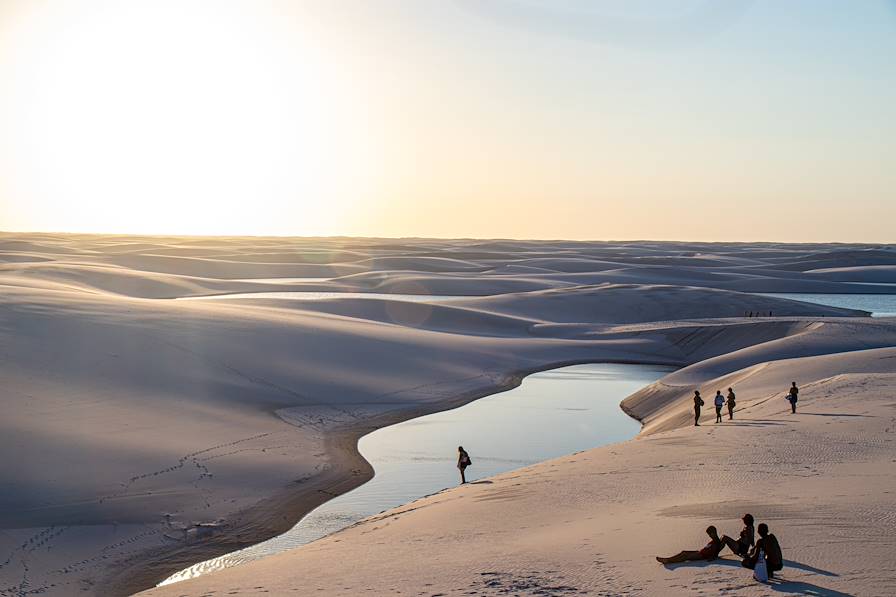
column 551, row 414
column 879, row 305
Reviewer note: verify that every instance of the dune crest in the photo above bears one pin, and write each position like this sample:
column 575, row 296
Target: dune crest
column 150, row 433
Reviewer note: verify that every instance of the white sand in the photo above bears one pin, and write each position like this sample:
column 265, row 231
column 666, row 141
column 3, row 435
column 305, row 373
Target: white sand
column 591, row 523
column 143, row 434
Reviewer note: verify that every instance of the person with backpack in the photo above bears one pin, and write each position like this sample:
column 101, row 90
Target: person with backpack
column 767, row 547
column 698, row 402
column 742, row 546
column 731, row 404
column 709, row 552
column 792, row 396
column 719, row 403
column 463, row 461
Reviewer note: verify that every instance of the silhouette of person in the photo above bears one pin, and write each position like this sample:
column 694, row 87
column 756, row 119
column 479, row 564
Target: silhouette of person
column 743, row 544
column 698, row 402
column 463, row 461
column 792, row 396
column 768, row 545
column 719, row 402
column 709, row 552
column 731, row 404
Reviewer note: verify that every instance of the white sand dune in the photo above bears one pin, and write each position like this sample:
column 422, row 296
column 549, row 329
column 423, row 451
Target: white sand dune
column 214, row 267
column 884, row 274
column 630, row 303
column 148, row 433
column 591, row 523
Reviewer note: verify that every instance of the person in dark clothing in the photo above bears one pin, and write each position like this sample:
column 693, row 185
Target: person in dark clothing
column 463, row 461
column 743, row 544
column 731, row 404
column 709, row 552
column 768, row 545
column 698, row 402
column 719, row 402
column 792, row 396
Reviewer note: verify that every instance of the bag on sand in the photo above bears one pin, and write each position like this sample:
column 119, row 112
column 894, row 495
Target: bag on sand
column 760, row 572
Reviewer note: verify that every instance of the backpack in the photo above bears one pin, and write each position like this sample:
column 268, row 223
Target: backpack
column 760, row 572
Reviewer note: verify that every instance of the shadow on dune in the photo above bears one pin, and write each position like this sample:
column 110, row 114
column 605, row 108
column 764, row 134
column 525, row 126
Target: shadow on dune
column 776, row 584
column 704, row 564
column 807, row 568
column 736, row 563
column 835, row 415
column 804, row 588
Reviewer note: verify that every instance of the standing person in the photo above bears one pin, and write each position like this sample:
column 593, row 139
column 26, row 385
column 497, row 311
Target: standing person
column 463, row 461
column 709, row 552
column 743, row 544
column 731, row 404
column 792, row 396
column 719, row 402
column 698, row 402
column 768, row 546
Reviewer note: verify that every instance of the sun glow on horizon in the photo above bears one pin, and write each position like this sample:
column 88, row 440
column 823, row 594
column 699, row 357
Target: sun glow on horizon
column 582, row 119
column 187, row 117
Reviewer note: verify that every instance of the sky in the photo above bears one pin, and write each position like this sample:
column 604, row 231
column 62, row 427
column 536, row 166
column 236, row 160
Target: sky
column 693, row 120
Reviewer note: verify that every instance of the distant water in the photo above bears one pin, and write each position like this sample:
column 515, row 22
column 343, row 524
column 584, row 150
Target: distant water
column 551, row 414
column 879, row 305
column 313, row 295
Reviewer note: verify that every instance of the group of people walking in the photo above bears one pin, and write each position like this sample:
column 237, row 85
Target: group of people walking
column 721, row 401
column 750, row 550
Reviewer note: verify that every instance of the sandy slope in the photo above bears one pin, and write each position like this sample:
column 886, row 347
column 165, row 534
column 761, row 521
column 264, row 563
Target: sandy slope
column 150, row 433
column 591, row 523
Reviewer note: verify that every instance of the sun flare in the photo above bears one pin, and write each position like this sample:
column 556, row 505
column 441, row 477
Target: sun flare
column 173, row 117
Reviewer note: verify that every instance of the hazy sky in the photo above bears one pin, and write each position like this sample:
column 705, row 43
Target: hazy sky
column 702, row 120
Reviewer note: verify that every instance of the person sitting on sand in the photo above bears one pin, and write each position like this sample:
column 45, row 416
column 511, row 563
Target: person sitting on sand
column 719, row 402
column 767, row 545
column 709, row 552
column 698, row 402
column 463, row 461
column 742, row 546
column 731, row 404
column 792, row 396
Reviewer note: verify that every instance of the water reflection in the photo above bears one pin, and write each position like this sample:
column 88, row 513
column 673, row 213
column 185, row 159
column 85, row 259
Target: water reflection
column 551, row 414
column 879, row 305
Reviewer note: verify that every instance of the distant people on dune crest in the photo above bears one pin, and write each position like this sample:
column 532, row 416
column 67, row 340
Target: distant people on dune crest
column 741, row 547
column 792, row 396
column 463, row 461
column 731, row 404
column 709, row 552
column 698, row 402
column 719, row 402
